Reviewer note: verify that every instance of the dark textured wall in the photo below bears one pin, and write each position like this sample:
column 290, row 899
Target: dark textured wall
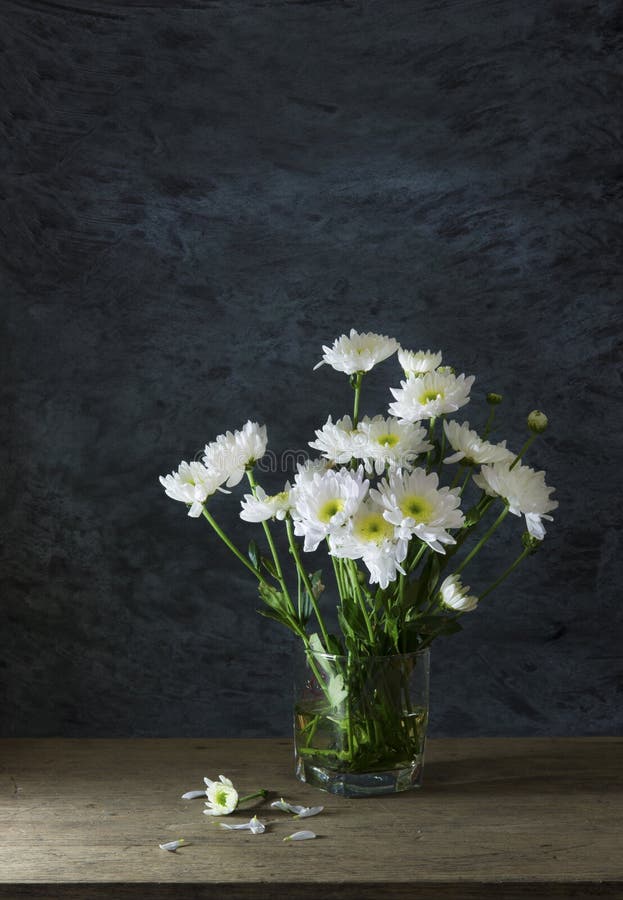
column 195, row 197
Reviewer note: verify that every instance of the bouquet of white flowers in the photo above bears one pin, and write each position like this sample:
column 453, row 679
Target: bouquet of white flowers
column 398, row 539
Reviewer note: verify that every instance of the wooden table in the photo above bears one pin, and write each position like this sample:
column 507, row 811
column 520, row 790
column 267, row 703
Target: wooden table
column 496, row 818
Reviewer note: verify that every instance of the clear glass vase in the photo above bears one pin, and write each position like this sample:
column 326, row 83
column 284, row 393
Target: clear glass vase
column 360, row 723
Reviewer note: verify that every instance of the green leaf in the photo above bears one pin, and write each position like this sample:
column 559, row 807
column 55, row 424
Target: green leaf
column 270, row 567
column 254, row 554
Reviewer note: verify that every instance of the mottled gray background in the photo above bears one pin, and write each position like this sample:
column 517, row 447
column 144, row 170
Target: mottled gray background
column 195, row 197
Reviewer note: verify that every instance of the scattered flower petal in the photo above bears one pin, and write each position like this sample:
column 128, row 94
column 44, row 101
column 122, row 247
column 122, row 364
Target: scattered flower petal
column 307, row 811
column 192, row 795
column 300, row 836
column 254, row 826
column 302, row 812
column 172, row 846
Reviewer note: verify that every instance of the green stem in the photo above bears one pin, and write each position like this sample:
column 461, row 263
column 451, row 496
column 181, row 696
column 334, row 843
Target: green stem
column 525, row 447
column 358, row 596
column 483, row 540
column 489, row 423
column 267, row 532
column 466, row 482
column 306, row 581
column 443, row 446
column 418, row 557
column 457, row 475
column 431, row 438
column 337, row 568
column 505, row 574
column 261, row 793
column 357, row 389
column 233, row 547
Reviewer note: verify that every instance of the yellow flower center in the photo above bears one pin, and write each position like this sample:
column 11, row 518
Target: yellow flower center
column 220, row 798
column 373, row 527
column 388, row 440
column 329, row 508
column 282, row 496
column 432, row 394
column 416, row 507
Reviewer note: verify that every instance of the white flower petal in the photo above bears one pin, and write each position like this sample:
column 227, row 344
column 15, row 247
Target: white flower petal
column 192, row 795
column 300, row 812
column 172, row 846
column 254, row 826
column 300, row 836
column 307, row 811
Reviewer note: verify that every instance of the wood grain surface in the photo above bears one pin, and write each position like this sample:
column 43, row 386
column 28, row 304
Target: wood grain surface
column 504, row 818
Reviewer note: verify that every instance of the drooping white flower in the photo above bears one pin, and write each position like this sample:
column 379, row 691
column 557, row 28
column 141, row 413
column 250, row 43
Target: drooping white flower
column 300, row 812
column 430, row 395
column 418, row 362
column 390, row 442
column 261, row 507
column 456, row 596
column 300, row 836
column 524, row 490
column 222, row 797
column 193, row 483
column 253, row 825
column 192, row 795
column 172, row 846
column 471, row 447
column 371, row 538
column 416, row 505
column 232, row 453
column 358, row 352
column 321, row 506
column 338, row 441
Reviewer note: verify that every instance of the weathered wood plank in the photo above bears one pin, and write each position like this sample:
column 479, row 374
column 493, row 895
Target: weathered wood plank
column 506, row 818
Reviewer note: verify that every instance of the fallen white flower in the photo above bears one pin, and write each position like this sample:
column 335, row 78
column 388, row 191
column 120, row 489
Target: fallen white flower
column 301, row 812
column 254, row 826
column 222, row 797
column 300, row 836
column 172, row 846
column 192, row 795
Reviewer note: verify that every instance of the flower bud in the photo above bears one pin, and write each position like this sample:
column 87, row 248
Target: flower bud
column 494, row 399
column 530, row 543
column 537, row 421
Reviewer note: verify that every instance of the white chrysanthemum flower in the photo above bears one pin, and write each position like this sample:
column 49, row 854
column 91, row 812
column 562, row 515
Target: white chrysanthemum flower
column 471, row 447
column 263, row 506
column 192, row 484
column 390, row 442
column 430, row 395
column 307, row 471
column 222, row 797
column 456, row 596
column 416, row 505
column 338, row 442
column 322, row 506
column 524, row 490
column 358, row 352
column 371, row 538
column 232, row 453
column 418, row 362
